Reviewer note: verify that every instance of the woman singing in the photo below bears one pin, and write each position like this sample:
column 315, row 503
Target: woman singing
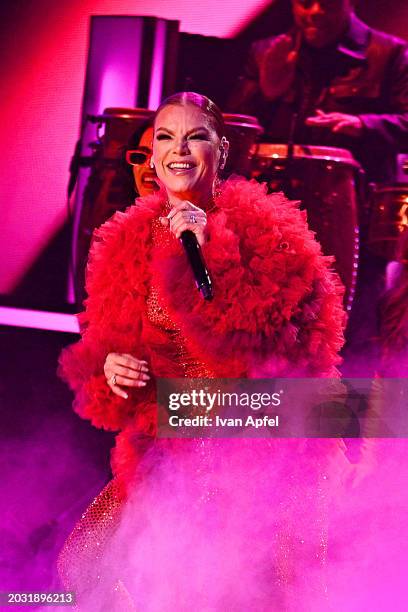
column 202, row 524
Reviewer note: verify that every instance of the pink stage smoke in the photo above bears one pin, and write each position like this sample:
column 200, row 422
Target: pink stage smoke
column 230, row 524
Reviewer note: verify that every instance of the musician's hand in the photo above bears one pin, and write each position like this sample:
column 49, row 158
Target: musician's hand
column 338, row 123
column 186, row 216
column 124, row 370
column 277, row 71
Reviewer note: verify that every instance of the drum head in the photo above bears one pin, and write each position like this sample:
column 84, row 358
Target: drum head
column 265, row 150
column 243, row 121
column 123, row 114
column 241, row 132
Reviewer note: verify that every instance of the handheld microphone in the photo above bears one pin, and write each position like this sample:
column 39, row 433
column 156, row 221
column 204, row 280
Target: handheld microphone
column 196, row 260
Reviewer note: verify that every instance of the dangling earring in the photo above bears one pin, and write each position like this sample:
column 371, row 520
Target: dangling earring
column 151, row 163
column 224, row 145
column 216, row 188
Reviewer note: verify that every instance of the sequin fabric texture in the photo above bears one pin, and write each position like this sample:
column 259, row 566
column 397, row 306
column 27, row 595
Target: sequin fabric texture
column 78, row 561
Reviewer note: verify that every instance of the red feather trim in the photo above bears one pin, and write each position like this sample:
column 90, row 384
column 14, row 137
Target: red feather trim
column 277, row 309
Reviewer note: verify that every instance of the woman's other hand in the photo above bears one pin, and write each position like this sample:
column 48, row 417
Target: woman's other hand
column 124, row 370
column 186, row 216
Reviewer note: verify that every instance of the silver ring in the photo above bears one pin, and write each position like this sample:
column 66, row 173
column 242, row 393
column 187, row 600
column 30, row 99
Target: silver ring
column 193, row 218
column 113, row 380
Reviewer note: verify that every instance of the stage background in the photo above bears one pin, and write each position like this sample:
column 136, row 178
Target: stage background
column 43, row 47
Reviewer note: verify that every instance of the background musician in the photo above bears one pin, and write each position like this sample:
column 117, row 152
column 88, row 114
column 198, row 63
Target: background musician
column 343, row 83
column 334, row 81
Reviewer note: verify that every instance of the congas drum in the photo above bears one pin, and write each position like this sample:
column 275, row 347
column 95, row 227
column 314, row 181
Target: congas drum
column 110, row 184
column 388, row 219
column 119, row 125
column 242, row 132
column 325, row 180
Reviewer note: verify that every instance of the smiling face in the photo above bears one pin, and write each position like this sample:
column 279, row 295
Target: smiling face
column 145, row 177
column 186, row 152
column 322, row 22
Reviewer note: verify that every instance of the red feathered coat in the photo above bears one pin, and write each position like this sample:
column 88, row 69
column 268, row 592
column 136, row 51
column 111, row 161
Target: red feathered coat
column 277, row 307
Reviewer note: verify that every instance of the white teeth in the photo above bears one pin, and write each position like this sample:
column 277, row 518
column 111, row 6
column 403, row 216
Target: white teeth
column 180, row 166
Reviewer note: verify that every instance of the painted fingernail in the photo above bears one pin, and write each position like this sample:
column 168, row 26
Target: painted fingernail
column 142, row 383
column 126, row 396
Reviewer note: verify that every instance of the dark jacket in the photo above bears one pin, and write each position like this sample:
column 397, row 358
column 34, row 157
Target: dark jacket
column 364, row 74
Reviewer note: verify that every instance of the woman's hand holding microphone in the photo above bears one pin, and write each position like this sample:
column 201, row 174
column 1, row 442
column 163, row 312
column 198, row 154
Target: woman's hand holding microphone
column 186, row 216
